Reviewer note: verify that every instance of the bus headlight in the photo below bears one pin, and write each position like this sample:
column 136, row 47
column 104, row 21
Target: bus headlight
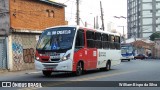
column 37, row 58
column 66, row 57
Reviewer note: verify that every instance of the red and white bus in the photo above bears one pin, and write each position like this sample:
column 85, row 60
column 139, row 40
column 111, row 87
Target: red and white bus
column 76, row 49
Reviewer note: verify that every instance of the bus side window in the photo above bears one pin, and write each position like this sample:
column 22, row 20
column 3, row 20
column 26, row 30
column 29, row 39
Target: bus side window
column 80, row 39
column 98, row 40
column 118, row 41
column 104, row 41
column 110, row 41
column 90, row 39
column 112, row 46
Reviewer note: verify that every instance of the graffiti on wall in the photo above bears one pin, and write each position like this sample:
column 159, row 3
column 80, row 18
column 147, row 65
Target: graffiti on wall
column 28, row 55
column 17, row 52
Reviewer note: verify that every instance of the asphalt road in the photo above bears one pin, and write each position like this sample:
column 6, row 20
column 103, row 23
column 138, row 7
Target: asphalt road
column 135, row 70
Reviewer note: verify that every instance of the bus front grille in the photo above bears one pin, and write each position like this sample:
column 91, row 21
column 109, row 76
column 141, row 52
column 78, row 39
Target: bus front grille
column 55, row 59
column 45, row 60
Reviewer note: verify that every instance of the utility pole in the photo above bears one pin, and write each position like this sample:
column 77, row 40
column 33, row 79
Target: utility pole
column 102, row 16
column 77, row 17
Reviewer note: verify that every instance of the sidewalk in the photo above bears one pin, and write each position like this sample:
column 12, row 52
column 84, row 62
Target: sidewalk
column 7, row 72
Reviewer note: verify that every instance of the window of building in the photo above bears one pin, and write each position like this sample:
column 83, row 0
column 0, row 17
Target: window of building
column 50, row 13
column 158, row 20
column 147, row 6
column 146, row 13
column 158, row 28
column 146, row 0
column 158, row 13
column 146, row 35
column 158, row 5
column 147, row 28
column 147, row 21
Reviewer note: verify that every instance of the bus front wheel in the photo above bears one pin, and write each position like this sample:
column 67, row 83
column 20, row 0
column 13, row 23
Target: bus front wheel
column 79, row 69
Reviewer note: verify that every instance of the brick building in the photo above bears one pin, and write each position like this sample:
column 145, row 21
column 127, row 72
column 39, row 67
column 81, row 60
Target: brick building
column 143, row 47
column 24, row 20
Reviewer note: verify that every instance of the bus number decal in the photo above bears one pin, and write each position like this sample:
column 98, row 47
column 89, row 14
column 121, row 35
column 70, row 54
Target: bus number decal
column 102, row 54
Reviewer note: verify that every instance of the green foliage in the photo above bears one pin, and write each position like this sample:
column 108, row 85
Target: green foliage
column 155, row 35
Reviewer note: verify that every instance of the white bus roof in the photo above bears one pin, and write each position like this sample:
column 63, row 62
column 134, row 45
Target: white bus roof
column 97, row 30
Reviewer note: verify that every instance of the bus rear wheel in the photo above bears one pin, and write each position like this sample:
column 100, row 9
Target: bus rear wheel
column 108, row 67
column 47, row 73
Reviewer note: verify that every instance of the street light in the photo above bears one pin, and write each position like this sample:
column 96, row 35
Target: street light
column 121, row 17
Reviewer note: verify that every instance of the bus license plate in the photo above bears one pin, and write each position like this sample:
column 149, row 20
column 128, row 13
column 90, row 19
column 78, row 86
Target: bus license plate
column 55, row 57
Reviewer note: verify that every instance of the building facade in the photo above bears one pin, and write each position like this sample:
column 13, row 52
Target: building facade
column 157, row 48
column 144, row 47
column 4, row 31
column 23, row 22
column 143, row 17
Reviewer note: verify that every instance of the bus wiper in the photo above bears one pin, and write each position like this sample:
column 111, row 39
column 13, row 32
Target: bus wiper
column 45, row 44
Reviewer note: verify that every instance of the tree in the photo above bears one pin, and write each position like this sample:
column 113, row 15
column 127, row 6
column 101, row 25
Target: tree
column 154, row 36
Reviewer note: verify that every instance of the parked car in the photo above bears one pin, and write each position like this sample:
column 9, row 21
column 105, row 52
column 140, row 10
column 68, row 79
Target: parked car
column 141, row 56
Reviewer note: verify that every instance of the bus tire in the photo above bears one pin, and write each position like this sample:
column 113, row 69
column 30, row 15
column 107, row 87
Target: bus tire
column 79, row 69
column 47, row 73
column 108, row 66
column 129, row 59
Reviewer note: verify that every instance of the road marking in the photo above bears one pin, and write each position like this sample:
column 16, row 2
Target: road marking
column 102, row 76
column 82, row 79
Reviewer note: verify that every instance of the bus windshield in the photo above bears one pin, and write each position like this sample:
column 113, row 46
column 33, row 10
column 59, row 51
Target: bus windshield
column 126, row 49
column 56, row 38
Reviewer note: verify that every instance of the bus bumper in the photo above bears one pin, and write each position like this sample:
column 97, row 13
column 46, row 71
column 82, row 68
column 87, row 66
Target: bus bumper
column 57, row 67
column 127, row 57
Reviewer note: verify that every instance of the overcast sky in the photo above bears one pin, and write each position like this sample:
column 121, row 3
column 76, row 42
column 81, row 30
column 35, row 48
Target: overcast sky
column 91, row 8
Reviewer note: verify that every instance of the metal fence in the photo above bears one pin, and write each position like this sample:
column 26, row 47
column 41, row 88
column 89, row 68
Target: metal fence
column 3, row 56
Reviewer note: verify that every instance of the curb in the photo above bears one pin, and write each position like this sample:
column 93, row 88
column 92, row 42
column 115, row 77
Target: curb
column 3, row 71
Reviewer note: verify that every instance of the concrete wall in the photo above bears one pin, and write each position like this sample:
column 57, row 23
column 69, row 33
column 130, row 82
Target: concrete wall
column 21, row 16
column 157, row 49
column 4, row 17
column 23, row 51
column 35, row 15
